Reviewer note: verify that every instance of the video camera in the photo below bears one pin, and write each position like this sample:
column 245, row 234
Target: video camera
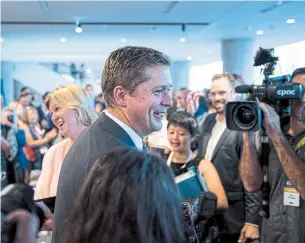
column 277, row 91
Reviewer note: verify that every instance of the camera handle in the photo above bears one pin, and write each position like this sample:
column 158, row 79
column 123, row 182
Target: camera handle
column 264, row 162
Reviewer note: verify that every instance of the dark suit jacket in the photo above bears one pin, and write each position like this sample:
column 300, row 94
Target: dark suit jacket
column 243, row 207
column 101, row 137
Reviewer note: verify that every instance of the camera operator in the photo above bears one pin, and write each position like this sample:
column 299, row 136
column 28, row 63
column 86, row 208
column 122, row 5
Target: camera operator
column 223, row 148
column 286, row 172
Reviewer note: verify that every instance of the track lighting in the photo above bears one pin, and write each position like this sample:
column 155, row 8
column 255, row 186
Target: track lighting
column 78, row 28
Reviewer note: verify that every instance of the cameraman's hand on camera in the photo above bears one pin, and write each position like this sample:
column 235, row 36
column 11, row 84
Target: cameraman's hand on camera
column 248, row 232
column 271, row 120
column 48, row 224
column 5, row 121
column 26, row 226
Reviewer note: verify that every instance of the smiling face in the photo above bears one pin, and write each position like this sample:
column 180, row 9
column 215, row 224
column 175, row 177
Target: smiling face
column 146, row 106
column 220, row 93
column 179, row 138
column 65, row 119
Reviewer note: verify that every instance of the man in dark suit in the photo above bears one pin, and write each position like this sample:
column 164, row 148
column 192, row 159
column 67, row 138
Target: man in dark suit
column 223, row 148
column 136, row 84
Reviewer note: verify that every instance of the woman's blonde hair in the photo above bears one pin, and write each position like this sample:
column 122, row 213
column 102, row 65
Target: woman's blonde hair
column 74, row 97
column 25, row 115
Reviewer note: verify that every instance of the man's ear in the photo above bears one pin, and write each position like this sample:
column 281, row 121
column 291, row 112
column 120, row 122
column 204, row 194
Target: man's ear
column 120, row 95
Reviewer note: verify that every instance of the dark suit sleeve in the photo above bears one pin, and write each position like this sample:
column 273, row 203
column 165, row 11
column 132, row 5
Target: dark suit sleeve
column 253, row 200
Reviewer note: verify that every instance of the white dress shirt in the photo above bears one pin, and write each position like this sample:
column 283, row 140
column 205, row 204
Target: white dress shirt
column 138, row 141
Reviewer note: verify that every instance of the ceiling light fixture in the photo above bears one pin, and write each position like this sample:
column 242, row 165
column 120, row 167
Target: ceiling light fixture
column 1, row 40
column 189, row 58
column 123, row 40
column 182, row 39
column 78, row 28
column 259, row 32
column 63, row 40
column 290, row 21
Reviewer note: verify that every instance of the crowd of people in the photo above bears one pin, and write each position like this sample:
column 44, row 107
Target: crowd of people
column 111, row 160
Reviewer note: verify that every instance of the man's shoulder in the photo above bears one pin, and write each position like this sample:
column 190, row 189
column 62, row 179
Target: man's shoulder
column 210, row 117
column 94, row 140
column 208, row 121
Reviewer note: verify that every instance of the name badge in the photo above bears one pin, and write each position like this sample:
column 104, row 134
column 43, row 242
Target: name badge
column 291, row 196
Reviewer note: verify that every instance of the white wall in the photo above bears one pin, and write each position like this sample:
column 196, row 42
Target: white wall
column 200, row 76
column 37, row 77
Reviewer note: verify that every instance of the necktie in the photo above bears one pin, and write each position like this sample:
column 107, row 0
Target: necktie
column 145, row 149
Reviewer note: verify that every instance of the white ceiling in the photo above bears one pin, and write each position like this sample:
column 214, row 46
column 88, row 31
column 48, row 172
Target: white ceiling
column 226, row 20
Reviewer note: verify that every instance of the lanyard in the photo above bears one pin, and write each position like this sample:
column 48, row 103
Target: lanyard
column 300, row 144
column 170, row 157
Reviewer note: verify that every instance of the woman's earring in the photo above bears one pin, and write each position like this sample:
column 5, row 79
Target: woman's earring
column 77, row 118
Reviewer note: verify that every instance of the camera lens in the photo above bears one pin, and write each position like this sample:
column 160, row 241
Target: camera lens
column 244, row 116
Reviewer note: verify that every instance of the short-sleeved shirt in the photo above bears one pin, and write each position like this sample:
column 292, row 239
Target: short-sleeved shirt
column 286, row 223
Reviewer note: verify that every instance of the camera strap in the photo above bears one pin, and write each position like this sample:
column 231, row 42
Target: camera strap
column 300, row 144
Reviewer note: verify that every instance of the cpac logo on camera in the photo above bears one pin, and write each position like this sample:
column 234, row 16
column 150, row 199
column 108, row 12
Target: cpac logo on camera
column 283, row 92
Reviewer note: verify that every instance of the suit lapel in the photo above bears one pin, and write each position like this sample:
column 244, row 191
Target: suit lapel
column 206, row 134
column 113, row 128
column 220, row 142
column 205, row 138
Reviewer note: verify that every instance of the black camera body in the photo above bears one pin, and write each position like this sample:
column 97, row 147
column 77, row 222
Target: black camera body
column 243, row 116
column 10, row 118
column 247, row 115
column 276, row 92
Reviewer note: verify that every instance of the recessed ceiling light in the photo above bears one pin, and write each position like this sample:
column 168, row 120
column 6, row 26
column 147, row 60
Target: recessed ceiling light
column 189, row 58
column 259, row 32
column 63, row 40
column 1, row 40
column 78, row 29
column 210, row 51
column 89, row 70
column 182, row 39
column 290, row 21
column 123, row 40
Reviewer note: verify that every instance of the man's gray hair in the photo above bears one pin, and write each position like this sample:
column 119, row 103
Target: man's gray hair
column 126, row 67
column 234, row 79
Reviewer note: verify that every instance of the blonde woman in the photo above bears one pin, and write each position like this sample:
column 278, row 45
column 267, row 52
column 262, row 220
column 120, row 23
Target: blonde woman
column 72, row 111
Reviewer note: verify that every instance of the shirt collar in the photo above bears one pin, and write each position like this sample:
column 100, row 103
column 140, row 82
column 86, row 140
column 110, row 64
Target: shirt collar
column 133, row 135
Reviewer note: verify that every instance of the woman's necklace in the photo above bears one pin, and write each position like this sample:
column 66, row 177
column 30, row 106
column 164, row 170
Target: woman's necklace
column 169, row 160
